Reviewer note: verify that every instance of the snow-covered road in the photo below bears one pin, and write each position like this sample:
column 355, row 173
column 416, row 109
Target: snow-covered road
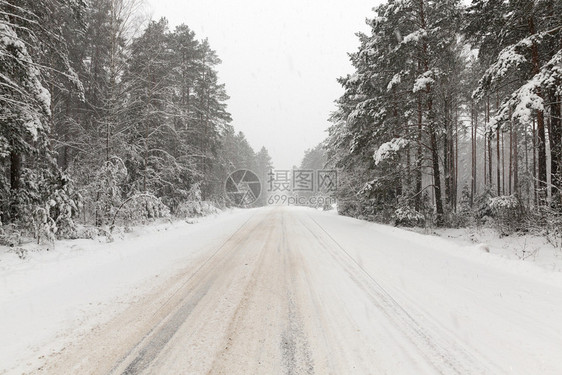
column 297, row 291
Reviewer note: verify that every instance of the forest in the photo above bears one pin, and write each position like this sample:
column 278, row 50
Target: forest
column 107, row 117
column 452, row 116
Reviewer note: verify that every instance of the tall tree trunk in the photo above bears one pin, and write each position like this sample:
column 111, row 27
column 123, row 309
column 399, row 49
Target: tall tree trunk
column 529, row 192
column 510, row 154
column 431, row 126
column 419, row 158
column 535, row 188
column 555, row 141
column 515, row 164
column 485, row 154
column 456, row 164
column 490, row 135
column 436, row 174
column 498, row 175
column 15, row 182
column 447, row 155
column 473, row 127
column 490, row 163
column 63, row 156
column 542, row 185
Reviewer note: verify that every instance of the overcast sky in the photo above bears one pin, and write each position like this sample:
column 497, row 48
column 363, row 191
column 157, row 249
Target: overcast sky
column 280, row 62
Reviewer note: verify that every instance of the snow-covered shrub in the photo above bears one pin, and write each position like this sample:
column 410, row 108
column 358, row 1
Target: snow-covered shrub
column 63, row 206
column 44, row 226
column 408, row 217
column 54, row 219
column 378, row 200
column 188, row 209
column 194, row 206
column 554, row 232
column 87, row 232
column 139, row 208
column 104, row 194
column 504, row 203
column 546, row 221
column 464, row 216
column 506, row 212
column 44, row 205
column 348, row 207
column 10, row 235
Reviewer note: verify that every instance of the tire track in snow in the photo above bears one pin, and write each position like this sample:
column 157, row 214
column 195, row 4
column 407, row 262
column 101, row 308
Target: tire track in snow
column 439, row 348
column 296, row 357
column 295, row 350
column 150, row 346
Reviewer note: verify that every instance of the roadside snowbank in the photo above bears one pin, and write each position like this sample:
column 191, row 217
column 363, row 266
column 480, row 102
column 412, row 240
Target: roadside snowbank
column 531, row 248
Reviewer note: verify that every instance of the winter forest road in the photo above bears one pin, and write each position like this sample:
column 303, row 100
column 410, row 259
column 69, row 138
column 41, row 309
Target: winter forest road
column 297, row 291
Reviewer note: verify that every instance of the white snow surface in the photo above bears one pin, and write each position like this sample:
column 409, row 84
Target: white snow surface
column 508, row 309
column 54, row 296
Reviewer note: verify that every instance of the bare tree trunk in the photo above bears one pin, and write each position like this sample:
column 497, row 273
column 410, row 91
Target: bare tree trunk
column 447, row 155
column 515, row 163
column 485, row 155
column 431, row 128
column 490, row 134
column 490, row 175
column 419, row 159
column 510, row 153
column 529, row 192
column 503, row 162
column 456, row 164
column 15, row 181
column 535, row 188
column 472, row 163
column 498, row 176
column 542, row 183
column 555, row 137
column 474, row 125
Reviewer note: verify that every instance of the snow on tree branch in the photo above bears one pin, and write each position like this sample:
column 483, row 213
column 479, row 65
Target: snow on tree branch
column 426, row 78
column 415, row 37
column 31, row 92
column 511, row 57
column 524, row 101
column 388, row 149
column 396, row 79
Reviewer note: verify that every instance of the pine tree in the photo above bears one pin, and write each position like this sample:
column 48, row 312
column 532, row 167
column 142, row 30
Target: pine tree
column 524, row 58
column 33, row 59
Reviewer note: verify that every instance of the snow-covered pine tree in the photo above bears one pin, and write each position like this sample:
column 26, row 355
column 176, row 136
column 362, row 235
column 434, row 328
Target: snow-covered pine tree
column 209, row 103
column 523, row 46
column 33, row 60
column 402, row 99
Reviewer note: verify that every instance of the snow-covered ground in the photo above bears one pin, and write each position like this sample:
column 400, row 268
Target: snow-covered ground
column 326, row 292
column 532, row 248
column 51, row 297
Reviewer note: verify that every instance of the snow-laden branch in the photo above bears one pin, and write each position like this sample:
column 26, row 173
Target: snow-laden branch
column 388, row 149
column 510, row 58
column 425, row 79
column 525, row 101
